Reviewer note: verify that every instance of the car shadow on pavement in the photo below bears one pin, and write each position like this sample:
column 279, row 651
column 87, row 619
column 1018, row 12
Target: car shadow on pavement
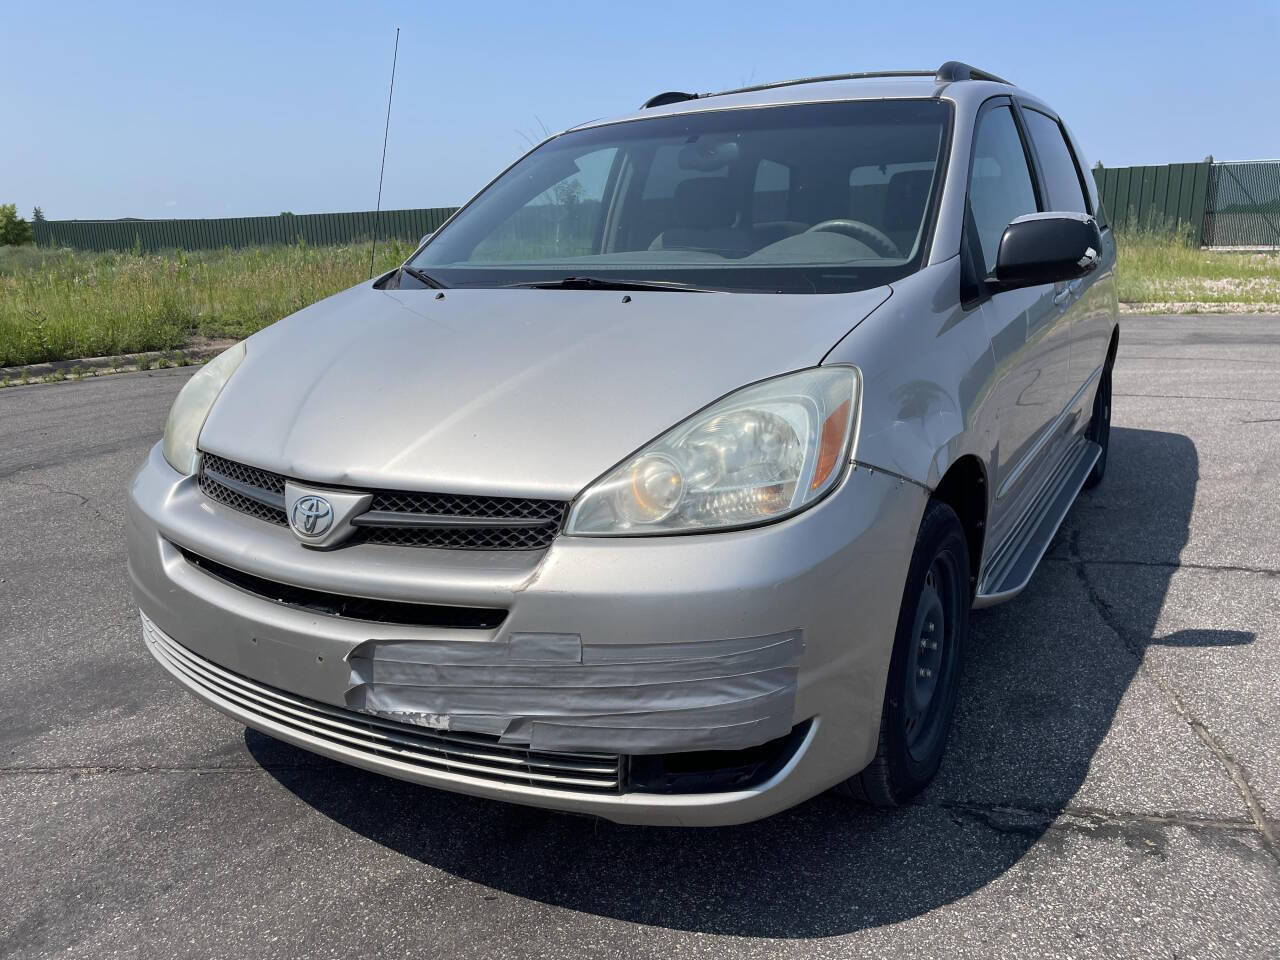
column 1044, row 678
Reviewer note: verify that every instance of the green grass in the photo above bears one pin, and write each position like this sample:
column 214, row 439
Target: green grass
column 1164, row 270
column 57, row 305
column 64, row 304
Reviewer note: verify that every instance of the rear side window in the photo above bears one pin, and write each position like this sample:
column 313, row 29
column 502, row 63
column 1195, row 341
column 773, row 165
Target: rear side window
column 1000, row 186
column 1061, row 179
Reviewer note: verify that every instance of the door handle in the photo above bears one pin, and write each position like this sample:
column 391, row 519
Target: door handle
column 1061, row 296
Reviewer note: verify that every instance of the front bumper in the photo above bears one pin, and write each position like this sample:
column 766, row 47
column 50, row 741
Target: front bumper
column 657, row 623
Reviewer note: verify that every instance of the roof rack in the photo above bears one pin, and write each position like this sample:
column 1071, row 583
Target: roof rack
column 954, row 70
column 950, row 72
column 671, row 96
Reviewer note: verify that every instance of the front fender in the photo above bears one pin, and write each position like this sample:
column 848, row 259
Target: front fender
column 927, row 370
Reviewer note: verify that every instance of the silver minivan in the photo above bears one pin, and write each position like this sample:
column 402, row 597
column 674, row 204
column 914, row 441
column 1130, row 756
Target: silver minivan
column 659, row 483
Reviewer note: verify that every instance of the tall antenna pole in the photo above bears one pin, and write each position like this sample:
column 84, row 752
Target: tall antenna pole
column 377, row 213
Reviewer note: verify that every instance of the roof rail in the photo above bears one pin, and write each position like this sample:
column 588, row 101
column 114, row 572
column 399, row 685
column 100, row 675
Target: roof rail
column 954, row 70
column 949, row 72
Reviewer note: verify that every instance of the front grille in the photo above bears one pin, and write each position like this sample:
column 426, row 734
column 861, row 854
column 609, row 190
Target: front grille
column 487, row 538
column 351, row 608
column 498, row 508
column 247, row 489
column 398, row 517
column 466, row 754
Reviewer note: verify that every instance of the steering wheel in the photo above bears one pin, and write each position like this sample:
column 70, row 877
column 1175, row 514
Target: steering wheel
column 862, row 232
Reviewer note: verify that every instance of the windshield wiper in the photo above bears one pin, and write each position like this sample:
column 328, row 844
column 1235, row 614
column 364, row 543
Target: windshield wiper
column 605, row 283
column 421, row 277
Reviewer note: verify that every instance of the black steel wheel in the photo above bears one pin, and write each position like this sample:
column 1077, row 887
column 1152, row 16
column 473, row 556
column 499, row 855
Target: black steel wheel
column 920, row 697
column 1100, row 425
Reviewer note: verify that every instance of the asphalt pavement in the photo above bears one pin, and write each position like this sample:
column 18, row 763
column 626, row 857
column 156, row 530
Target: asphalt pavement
column 1112, row 787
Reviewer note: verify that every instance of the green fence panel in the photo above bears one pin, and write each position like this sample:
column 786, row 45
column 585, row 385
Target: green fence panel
column 1147, row 213
column 1161, row 197
column 1168, row 197
column 1175, row 191
column 316, row 229
column 1199, row 196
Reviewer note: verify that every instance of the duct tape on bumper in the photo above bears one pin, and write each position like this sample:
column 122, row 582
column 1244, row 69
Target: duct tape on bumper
column 553, row 692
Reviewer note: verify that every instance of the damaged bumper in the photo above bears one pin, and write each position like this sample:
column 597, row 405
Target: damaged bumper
column 565, row 678
column 552, row 692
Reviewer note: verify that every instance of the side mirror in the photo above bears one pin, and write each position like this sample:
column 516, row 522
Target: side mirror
column 426, row 237
column 1047, row 248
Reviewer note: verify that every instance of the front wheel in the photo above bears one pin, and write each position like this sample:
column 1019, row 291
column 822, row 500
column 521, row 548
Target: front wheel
column 1100, row 426
column 920, row 699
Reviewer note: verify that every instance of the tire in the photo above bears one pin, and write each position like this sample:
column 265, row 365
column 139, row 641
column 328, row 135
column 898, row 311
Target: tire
column 1100, row 426
column 924, row 671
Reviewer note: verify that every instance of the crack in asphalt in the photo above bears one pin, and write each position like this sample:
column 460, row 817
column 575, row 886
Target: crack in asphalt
column 1018, row 819
column 48, row 488
column 1189, row 396
column 1232, row 767
column 1165, row 565
column 1202, row 359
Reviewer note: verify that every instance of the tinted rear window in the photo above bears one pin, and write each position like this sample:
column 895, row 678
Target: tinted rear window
column 1062, row 181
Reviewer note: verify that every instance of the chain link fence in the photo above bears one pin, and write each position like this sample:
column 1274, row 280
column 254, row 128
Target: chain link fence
column 1243, row 205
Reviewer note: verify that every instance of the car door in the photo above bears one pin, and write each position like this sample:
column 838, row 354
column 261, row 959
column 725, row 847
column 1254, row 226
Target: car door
column 1087, row 300
column 1028, row 334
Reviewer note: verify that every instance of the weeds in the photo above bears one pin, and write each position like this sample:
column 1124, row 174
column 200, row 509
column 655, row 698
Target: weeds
column 64, row 304
column 1162, row 268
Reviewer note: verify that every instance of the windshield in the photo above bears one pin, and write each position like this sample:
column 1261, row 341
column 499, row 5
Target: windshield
column 812, row 198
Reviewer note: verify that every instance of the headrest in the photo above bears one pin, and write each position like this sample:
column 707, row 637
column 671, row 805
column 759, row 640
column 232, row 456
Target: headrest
column 905, row 199
column 705, row 203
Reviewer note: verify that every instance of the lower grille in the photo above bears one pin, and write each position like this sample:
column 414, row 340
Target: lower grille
column 397, row 517
column 348, row 607
column 466, row 754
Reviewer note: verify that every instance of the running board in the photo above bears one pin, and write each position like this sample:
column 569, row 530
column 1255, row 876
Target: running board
column 1015, row 560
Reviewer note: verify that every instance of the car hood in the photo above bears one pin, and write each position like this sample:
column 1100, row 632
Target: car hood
column 517, row 392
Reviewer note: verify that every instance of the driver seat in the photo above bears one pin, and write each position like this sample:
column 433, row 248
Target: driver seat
column 706, row 212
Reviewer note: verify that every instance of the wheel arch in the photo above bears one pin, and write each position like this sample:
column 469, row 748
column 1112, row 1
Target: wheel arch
column 964, row 489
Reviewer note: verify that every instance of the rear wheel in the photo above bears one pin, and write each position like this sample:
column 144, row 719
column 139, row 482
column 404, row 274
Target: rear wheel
column 1100, row 426
column 933, row 626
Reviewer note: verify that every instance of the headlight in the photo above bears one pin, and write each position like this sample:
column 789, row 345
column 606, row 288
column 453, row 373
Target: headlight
column 759, row 454
column 191, row 408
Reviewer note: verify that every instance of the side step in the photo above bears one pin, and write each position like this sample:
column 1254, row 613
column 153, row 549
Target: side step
column 1010, row 568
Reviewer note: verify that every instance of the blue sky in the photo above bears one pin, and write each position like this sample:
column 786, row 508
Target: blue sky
column 232, row 109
